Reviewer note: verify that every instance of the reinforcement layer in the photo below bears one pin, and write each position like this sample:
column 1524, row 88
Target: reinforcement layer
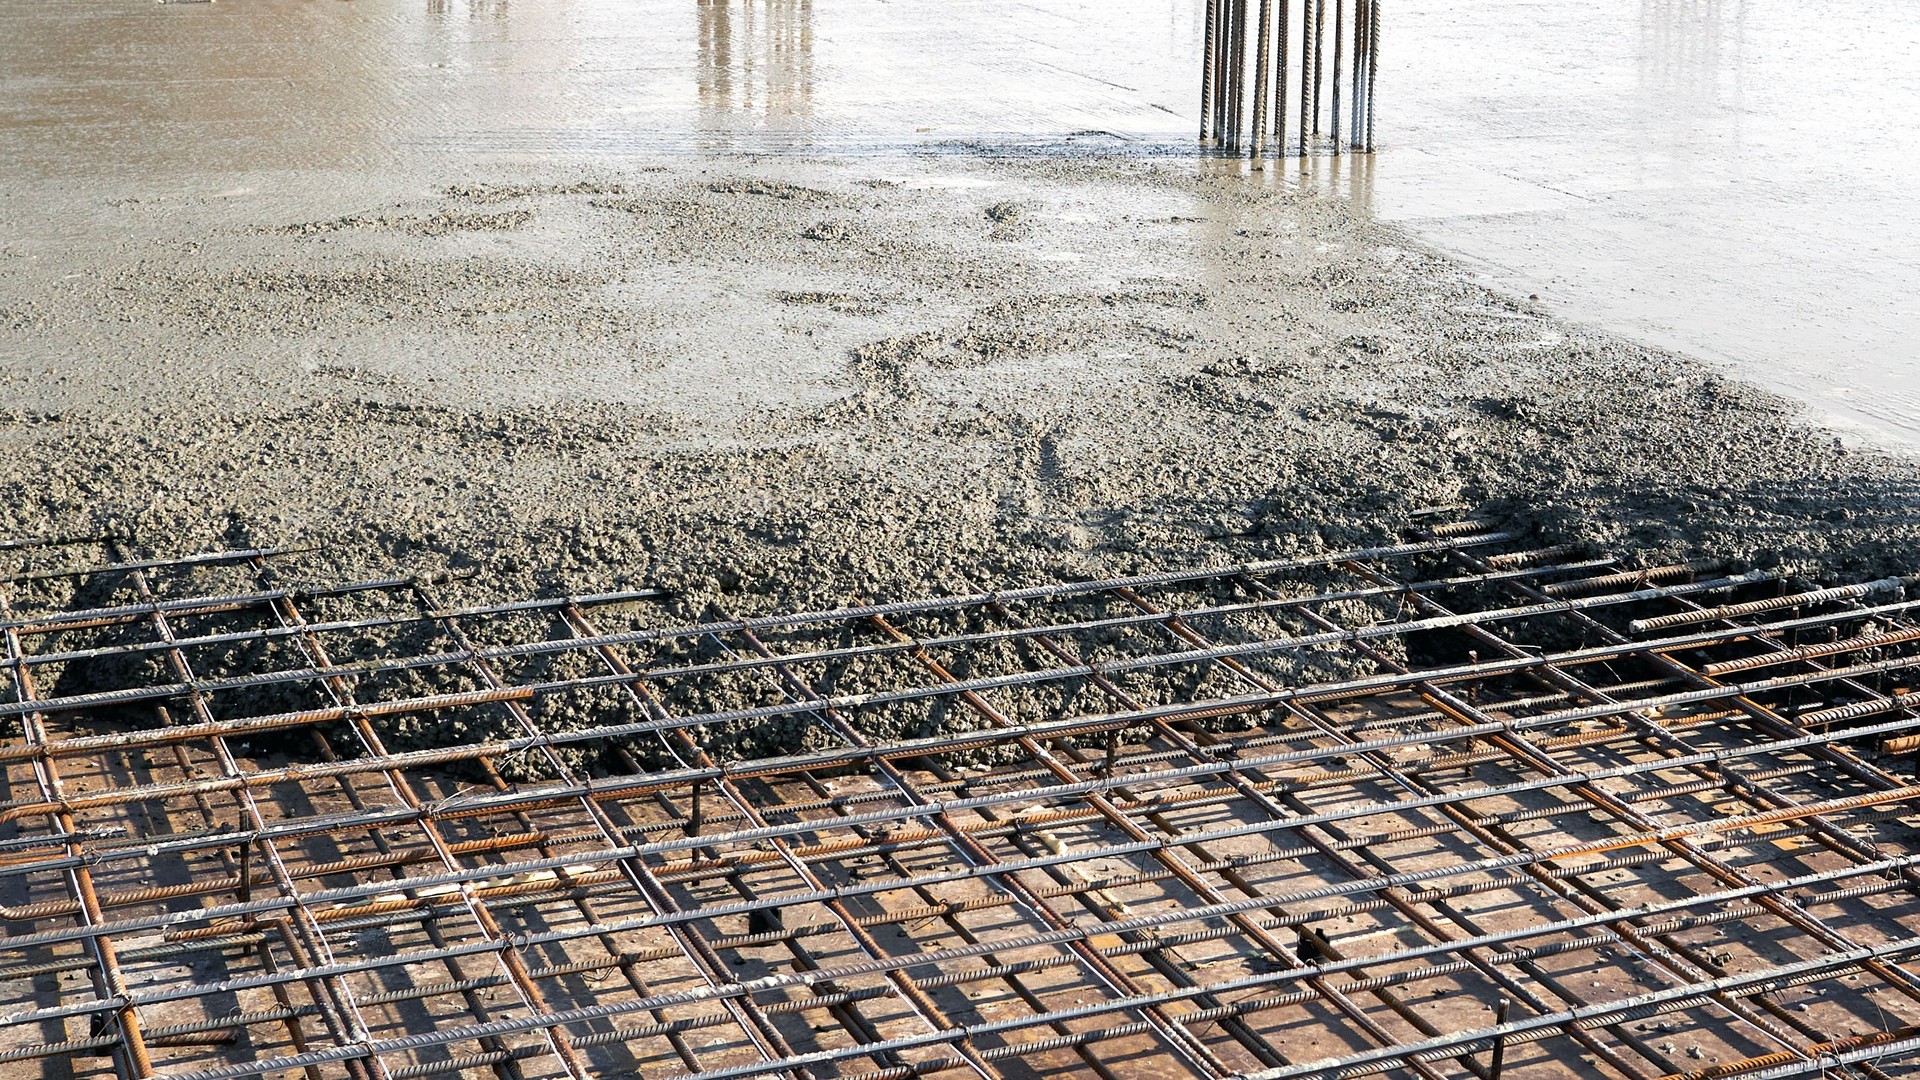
column 1448, row 808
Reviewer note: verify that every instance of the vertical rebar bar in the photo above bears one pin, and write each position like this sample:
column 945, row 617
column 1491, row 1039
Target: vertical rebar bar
column 1262, row 60
column 1229, row 130
column 1239, row 62
column 1220, row 73
column 1356, row 73
column 1235, row 70
column 1373, row 63
column 1499, row 1061
column 1207, row 88
column 1223, row 74
column 1319, row 57
column 1280, row 80
column 1333, row 112
column 1249, row 51
column 1306, row 71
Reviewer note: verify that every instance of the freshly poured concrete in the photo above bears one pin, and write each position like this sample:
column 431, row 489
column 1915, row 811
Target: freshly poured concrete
column 1732, row 177
column 680, row 293
column 1725, row 176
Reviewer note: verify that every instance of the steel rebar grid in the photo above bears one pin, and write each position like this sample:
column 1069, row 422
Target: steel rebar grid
column 1113, row 881
column 1524, row 751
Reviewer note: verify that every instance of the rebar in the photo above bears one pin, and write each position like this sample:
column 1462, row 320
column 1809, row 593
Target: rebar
column 1307, row 45
column 1333, row 110
column 1262, row 73
column 1553, row 815
column 1319, row 61
column 1358, row 74
column 1280, row 59
column 1209, row 73
column 1373, row 64
column 1236, row 36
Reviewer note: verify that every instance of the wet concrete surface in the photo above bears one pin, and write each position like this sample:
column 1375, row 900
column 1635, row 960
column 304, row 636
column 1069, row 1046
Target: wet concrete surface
column 1721, row 176
column 1729, row 177
column 191, row 87
column 671, row 293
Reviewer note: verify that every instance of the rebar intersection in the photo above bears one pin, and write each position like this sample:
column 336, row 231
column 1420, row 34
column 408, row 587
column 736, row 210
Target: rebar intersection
column 372, row 830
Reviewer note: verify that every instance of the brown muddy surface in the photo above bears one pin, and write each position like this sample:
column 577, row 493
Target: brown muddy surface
column 776, row 382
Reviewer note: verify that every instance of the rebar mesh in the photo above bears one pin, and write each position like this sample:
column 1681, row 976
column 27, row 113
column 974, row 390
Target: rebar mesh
column 1326, row 817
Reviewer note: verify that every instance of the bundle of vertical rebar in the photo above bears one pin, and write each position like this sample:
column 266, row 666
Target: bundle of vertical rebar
column 1441, row 808
column 1257, row 53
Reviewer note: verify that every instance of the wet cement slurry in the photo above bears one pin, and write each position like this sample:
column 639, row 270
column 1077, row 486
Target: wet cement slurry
column 194, row 87
column 1721, row 176
column 664, row 286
